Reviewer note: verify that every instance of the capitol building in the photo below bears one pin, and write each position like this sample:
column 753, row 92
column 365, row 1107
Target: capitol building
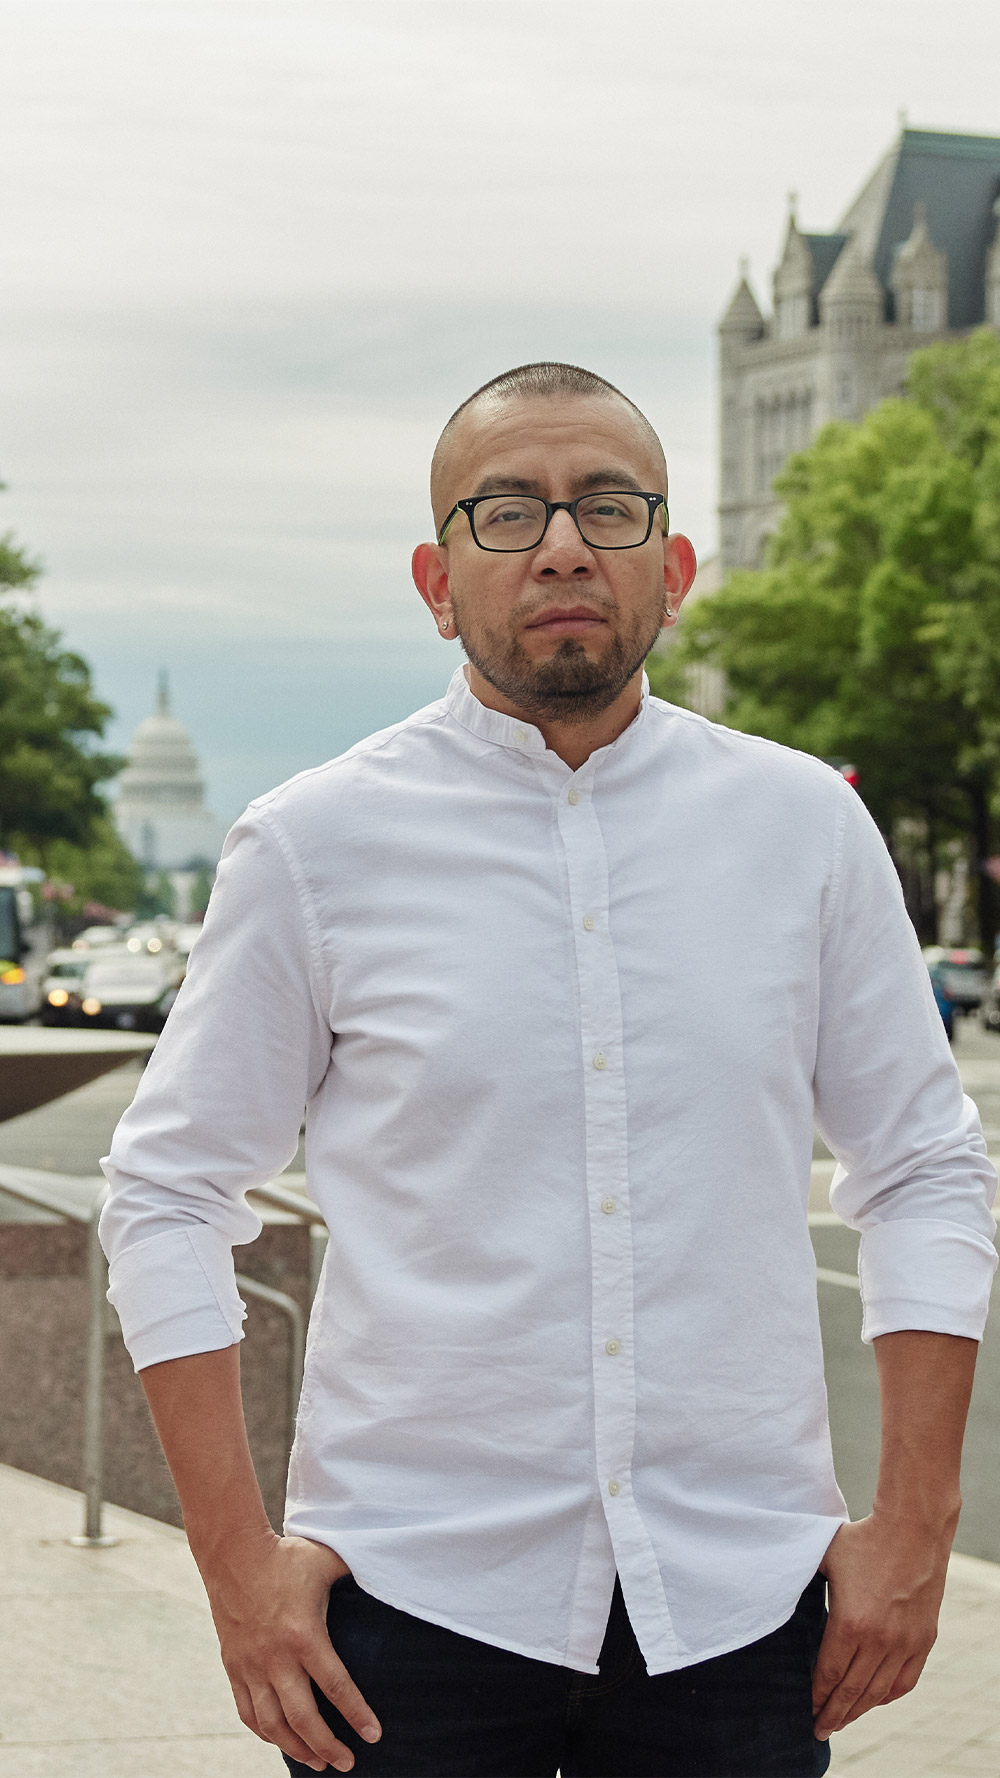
column 160, row 807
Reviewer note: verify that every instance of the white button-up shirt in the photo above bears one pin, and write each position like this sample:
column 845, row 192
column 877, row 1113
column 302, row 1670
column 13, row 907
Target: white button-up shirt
column 562, row 1036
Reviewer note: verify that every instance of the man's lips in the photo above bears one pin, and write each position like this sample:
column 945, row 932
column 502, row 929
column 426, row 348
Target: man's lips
column 566, row 620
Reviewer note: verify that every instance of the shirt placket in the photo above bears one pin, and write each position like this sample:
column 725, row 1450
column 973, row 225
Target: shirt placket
column 611, row 1230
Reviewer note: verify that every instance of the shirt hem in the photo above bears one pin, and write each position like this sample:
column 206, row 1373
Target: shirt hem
column 744, row 1639
column 388, row 1596
column 727, row 1647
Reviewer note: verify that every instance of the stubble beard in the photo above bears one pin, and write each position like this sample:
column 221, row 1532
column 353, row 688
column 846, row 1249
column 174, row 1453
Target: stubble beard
column 569, row 687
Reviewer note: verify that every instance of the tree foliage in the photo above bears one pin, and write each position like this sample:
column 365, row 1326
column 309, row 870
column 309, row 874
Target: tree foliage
column 102, row 871
column 873, row 630
column 50, row 720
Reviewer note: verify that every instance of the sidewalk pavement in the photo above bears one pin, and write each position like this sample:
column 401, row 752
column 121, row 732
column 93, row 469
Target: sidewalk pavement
column 109, row 1665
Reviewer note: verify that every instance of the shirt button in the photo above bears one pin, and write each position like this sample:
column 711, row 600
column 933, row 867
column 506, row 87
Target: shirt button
column 520, row 736
column 573, row 797
column 614, row 1487
column 589, row 922
column 600, row 1060
column 612, row 1348
column 609, row 1206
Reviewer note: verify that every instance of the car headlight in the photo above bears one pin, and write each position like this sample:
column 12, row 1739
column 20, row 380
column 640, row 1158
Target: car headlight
column 58, row 997
column 12, row 975
column 91, row 1005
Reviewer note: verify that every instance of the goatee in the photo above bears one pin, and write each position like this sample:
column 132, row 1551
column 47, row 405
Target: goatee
column 569, row 686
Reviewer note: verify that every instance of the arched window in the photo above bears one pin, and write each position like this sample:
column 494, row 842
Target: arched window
column 927, row 310
column 792, row 316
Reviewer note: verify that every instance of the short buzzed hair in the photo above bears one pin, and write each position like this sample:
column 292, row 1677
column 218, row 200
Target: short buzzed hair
column 547, row 377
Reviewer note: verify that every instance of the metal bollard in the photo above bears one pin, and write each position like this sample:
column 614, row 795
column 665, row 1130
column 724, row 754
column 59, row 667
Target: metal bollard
column 296, row 1338
column 93, row 1402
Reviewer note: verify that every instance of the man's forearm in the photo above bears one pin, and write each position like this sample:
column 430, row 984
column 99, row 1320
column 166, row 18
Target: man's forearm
column 925, row 1383
column 198, row 1410
column 886, row 1574
column 268, row 1594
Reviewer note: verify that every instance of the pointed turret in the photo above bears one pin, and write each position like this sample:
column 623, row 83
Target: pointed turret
column 793, row 282
column 852, row 300
column 920, row 279
column 743, row 321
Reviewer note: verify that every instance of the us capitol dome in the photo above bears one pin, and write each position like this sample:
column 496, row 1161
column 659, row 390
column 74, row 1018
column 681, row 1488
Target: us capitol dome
column 160, row 808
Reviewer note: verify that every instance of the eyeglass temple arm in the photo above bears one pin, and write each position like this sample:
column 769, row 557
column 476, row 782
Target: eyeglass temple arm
column 449, row 521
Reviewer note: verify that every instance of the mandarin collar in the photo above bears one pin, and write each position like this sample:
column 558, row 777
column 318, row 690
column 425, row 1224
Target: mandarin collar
column 513, row 732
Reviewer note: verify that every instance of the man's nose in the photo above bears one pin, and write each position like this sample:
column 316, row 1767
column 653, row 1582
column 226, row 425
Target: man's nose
column 562, row 550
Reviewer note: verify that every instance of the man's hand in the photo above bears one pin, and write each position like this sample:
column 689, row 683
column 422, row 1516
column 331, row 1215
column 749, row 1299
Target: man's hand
column 268, row 1594
column 886, row 1578
column 269, row 1597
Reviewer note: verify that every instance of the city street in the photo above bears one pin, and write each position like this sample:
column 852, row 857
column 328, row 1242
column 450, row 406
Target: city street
column 70, row 1135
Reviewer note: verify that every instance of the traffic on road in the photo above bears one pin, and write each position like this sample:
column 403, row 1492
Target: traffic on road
column 125, row 978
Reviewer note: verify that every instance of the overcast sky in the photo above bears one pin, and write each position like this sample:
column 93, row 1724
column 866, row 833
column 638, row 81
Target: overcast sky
column 252, row 255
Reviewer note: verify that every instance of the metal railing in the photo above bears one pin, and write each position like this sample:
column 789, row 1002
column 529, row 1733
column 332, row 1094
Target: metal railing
column 42, row 1191
column 57, row 1194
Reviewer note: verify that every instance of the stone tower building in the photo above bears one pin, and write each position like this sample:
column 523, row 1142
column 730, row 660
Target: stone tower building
column 916, row 258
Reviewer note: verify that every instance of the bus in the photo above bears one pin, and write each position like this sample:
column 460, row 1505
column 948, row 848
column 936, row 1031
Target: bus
column 24, row 944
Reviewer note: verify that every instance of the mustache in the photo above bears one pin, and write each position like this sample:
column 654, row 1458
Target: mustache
column 528, row 609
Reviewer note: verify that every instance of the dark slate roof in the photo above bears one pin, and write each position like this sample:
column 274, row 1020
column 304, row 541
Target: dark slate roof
column 958, row 178
column 824, row 250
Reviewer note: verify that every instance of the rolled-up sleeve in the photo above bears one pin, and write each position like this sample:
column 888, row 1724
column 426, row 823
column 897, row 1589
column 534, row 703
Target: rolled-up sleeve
column 913, row 1175
column 220, row 1105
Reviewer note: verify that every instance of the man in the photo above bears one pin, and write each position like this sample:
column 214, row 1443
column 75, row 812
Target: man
column 563, row 975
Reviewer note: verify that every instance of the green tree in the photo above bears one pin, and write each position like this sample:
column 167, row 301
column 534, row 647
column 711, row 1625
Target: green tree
column 156, row 897
column 49, row 721
column 201, row 890
column 873, row 631
column 103, row 871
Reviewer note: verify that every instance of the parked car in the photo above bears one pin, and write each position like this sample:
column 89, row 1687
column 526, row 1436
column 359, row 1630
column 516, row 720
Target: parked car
column 97, row 938
column 123, row 991
column 989, row 1006
column 152, row 937
column 184, row 937
column 64, row 973
column 962, row 973
column 943, row 1001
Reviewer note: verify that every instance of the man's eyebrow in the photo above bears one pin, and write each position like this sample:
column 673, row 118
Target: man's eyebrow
column 610, row 480
column 505, row 484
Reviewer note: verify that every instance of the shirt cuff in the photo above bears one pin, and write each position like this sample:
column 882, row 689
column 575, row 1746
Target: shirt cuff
column 175, row 1294
column 934, row 1276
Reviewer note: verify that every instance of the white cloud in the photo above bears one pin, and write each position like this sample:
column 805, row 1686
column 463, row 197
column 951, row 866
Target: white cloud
column 255, row 250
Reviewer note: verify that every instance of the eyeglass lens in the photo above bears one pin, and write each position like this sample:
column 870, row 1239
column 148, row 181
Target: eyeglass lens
column 608, row 521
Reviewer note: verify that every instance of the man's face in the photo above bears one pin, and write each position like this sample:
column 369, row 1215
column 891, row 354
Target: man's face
column 561, row 629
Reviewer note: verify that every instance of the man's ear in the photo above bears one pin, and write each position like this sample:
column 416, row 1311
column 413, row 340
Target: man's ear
column 680, row 565
column 430, row 577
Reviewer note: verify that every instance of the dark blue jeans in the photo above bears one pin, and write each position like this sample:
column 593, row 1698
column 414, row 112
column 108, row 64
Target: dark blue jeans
column 452, row 1707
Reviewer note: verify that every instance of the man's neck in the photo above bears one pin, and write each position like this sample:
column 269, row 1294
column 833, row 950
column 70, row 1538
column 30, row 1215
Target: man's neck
column 573, row 742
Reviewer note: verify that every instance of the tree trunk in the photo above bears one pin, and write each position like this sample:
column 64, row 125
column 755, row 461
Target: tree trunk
column 982, row 849
column 932, row 906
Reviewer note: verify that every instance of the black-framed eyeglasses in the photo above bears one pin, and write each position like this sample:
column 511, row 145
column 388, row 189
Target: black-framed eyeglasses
column 609, row 519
